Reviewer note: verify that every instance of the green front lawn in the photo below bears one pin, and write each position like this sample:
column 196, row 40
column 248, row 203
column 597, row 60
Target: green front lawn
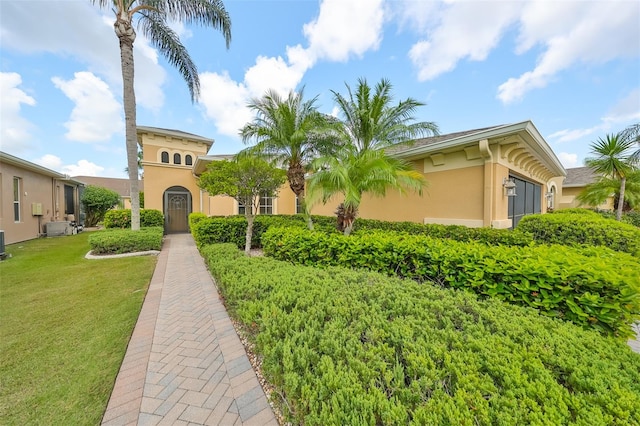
column 64, row 326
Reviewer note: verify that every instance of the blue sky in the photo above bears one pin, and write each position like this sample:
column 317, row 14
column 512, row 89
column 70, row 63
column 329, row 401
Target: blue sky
column 572, row 67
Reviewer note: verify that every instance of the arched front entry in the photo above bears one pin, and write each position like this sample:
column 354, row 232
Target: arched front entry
column 177, row 206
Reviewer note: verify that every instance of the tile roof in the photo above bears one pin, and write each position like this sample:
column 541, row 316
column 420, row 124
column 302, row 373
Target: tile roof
column 579, row 176
column 121, row 186
column 435, row 139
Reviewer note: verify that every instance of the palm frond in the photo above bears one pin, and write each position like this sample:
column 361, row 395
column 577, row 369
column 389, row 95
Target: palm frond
column 166, row 40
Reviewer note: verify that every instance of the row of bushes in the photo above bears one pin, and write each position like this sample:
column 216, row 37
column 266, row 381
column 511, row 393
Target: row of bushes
column 580, row 226
column 220, row 229
column 122, row 218
column 117, row 241
column 346, row 347
column 593, row 286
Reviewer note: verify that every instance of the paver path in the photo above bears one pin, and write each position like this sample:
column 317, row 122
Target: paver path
column 185, row 363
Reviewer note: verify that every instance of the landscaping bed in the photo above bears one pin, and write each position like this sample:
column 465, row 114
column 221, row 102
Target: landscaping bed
column 344, row 346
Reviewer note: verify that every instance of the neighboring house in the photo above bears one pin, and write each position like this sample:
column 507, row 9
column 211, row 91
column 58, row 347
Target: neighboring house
column 484, row 177
column 121, row 186
column 575, row 182
column 34, row 199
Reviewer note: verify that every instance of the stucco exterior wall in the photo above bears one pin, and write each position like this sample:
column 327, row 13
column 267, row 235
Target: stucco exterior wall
column 35, row 188
column 158, row 176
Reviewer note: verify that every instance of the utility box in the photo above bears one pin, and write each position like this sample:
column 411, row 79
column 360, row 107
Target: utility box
column 57, row 229
column 2, row 253
column 36, row 209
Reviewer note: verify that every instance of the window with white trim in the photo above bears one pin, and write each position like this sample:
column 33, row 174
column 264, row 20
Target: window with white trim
column 17, row 186
column 266, row 205
column 241, row 208
column 299, row 209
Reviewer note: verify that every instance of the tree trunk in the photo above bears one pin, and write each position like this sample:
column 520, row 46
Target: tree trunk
column 295, row 176
column 126, row 34
column 623, row 184
column 247, row 243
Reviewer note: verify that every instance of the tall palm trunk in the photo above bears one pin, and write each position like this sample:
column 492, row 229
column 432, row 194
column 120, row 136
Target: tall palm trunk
column 623, row 184
column 126, row 35
column 295, row 176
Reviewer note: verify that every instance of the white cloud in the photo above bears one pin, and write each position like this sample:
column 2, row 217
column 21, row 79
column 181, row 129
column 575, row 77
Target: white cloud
column 582, row 32
column 568, row 160
column 568, row 33
column 15, row 130
column 50, row 161
column 81, row 168
column 626, row 110
column 345, row 28
column 96, row 115
column 623, row 113
column 342, row 29
column 568, row 135
column 224, row 102
column 459, row 30
column 87, row 36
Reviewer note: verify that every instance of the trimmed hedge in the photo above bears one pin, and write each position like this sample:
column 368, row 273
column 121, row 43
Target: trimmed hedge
column 122, row 218
column 593, row 287
column 345, row 347
column 231, row 229
column 117, row 241
column 453, row 232
column 582, row 228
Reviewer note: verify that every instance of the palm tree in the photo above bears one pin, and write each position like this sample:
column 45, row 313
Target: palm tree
column 152, row 17
column 633, row 133
column 598, row 192
column 611, row 160
column 369, row 124
column 288, row 132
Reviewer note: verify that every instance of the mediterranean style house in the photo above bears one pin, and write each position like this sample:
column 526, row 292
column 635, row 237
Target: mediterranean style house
column 488, row 177
column 35, row 200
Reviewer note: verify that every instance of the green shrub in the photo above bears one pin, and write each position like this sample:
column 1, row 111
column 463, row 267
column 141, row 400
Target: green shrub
column 454, row 232
column 590, row 229
column 217, row 231
column 122, row 218
column 593, row 287
column 345, row 347
column 117, row 241
column 576, row 210
column 632, row 218
column 196, row 217
column 232, row 229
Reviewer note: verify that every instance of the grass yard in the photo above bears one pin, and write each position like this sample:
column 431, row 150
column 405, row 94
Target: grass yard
column 64, row 326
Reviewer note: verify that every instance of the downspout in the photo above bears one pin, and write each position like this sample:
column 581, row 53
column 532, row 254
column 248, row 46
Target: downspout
column 489, row 182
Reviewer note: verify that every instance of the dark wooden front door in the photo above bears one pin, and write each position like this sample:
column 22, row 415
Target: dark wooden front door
column 177, row 212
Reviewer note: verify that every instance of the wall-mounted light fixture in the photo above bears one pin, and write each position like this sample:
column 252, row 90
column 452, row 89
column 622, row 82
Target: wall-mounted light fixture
column 509, row 186
column 549, row 195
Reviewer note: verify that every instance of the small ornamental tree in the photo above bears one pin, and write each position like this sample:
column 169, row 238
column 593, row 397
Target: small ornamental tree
column 97, row 201
column 245, row 179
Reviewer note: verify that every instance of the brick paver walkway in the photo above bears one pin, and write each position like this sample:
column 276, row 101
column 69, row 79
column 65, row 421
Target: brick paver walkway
column 185, row 363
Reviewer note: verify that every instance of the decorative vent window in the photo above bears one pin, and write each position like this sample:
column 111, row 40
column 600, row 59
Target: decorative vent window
column 177, row 159
column 164, row 157
column 188, row 160
column 17, row 185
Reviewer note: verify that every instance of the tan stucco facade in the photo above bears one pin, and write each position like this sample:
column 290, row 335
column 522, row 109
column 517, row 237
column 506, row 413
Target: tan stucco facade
column 465, row 175
column 32, row 196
